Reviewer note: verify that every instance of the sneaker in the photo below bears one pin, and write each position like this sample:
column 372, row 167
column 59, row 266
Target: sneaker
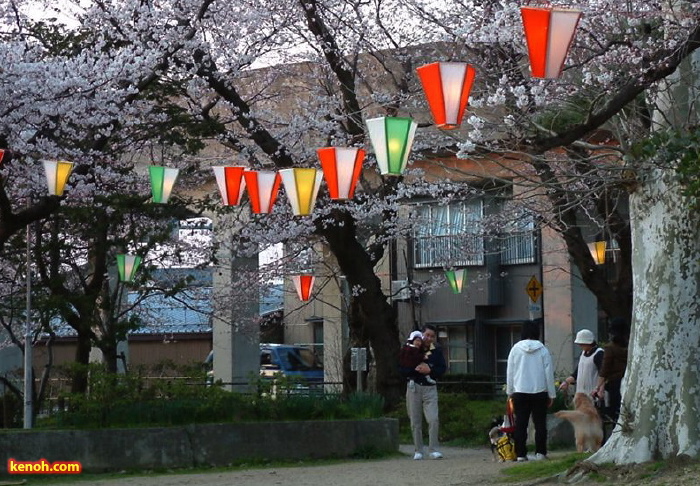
column 521, row 459
column 436, row 455
column 539, row 457
column 417, row 456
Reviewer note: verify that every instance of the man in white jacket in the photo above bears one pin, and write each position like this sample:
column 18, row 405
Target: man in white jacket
column 530, row 384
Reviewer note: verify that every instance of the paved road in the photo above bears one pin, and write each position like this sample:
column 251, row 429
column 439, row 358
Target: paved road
column 459, row 467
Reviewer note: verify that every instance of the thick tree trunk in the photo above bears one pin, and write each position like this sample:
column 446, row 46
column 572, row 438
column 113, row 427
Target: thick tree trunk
column 660, row 415
column 373, row 318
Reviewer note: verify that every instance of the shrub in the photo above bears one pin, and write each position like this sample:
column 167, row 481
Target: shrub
column 129, row 400
column 463, row 421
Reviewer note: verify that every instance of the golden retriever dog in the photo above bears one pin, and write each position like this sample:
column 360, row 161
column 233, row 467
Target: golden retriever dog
column 588, row 426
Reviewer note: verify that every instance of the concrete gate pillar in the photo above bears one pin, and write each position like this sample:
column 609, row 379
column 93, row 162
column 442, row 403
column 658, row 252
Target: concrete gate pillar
column 235, row 322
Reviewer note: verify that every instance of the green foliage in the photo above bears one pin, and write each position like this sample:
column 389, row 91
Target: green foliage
column 682, row 149
column 463, row 422
column 10, row 410
column 478, row 387
column 533, row 470
column 130, row 400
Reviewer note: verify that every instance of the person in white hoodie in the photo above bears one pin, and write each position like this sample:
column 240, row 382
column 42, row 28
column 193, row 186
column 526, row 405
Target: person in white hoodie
column 530, row 384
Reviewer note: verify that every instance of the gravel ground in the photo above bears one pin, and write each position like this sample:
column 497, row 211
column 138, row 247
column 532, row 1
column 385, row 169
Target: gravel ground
column 460, row 467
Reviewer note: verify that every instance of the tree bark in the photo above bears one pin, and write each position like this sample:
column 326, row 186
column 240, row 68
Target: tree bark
column 372, row 318
column 660, row 416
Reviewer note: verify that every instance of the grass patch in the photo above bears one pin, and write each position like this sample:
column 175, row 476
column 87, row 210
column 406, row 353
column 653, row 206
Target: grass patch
column 463, row 422
column 528, row 471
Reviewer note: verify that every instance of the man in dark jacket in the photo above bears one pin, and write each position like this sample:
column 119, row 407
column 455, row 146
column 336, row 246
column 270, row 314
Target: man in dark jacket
column 421, row 395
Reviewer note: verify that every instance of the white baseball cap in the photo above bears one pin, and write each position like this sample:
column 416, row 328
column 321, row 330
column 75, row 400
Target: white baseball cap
column 584, row 336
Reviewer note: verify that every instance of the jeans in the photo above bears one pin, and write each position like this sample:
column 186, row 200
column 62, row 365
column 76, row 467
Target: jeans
column 524, row 406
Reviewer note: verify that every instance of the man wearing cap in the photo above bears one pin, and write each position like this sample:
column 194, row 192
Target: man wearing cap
column 586, row 373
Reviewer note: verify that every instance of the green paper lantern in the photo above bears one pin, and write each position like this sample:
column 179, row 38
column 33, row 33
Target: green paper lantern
column 392, row 138
column 456, row 279
column 162, row 182
column 127, row 266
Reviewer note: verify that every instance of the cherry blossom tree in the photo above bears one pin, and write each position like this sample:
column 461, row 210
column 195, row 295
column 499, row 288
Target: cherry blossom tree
column 273, row 80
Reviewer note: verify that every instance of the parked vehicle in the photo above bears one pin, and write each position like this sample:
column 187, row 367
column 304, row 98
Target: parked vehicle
column 290, row 361
column 299, row 364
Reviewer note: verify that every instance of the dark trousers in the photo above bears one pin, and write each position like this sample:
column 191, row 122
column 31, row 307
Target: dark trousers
column 524, row 406
column 613, row 389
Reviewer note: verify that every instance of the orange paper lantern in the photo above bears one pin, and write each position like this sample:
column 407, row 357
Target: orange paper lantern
column 303, row 284
column 231, row 183
column 341, row 168
column 447, row 86
column 549, row 33
column 263, row 186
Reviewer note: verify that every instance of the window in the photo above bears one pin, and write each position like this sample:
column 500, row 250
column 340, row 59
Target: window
column 518, row 241
column 458, row 346
column 505, row 337
column 449, row 235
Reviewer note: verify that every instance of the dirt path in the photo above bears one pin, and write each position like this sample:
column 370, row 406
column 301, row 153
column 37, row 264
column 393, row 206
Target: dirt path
column 459, row 467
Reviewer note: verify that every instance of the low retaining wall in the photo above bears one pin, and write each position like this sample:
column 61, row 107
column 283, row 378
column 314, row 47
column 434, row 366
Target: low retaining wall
column 200, row 445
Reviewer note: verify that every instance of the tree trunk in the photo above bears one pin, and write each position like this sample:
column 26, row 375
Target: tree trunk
column 373, row 318
column 660, row 416
column 82, row 358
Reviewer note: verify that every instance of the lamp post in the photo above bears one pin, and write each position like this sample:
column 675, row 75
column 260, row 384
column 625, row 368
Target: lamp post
column 28, row 375
column 57, row 173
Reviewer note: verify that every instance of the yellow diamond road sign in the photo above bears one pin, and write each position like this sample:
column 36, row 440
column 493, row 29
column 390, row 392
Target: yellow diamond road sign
column 534, row 289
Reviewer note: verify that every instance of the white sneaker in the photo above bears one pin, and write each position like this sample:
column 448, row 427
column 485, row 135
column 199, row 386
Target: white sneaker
column 521, row 459
column 436, row 455
column 539, row 457
column 417, row 456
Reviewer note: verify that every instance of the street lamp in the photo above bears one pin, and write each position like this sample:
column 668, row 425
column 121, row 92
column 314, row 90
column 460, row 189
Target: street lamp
column 57, row 173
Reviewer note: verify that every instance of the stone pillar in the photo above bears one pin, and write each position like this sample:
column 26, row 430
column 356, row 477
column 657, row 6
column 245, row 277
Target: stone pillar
column 236, row 314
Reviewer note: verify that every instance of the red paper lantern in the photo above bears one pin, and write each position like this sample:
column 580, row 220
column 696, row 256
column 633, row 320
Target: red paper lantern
column 549, row 33
column 303, row 284
column 447, row 86
column 231, row 184
column 341, row 168
column 263, row 186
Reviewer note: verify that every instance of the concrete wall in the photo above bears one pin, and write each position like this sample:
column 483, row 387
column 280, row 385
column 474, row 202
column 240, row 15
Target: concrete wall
column 200, row 445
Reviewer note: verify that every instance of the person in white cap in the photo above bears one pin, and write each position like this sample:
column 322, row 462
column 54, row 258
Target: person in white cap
column 586, row 374
column 412, row 354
